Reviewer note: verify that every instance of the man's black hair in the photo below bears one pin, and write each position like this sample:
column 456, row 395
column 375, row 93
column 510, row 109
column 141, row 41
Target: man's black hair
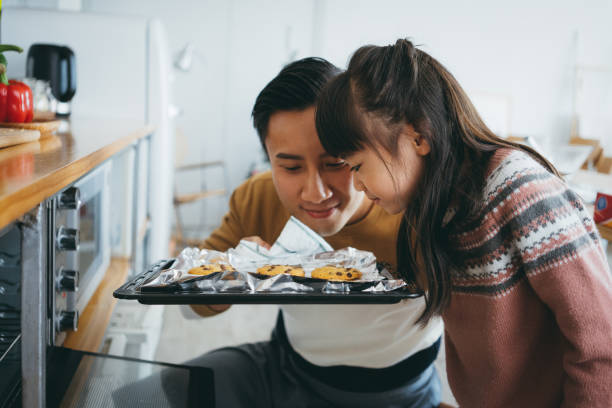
column 296, row 87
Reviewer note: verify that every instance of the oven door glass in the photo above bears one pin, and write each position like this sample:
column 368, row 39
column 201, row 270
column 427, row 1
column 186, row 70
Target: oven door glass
column 10, row 317
column 10, row 364
column 83, row 379
column 93, row 254
column 89, row 237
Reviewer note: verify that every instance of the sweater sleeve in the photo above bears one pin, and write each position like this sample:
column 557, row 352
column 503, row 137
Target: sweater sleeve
column 231, row 230
column 567, row 268
column 254, row 209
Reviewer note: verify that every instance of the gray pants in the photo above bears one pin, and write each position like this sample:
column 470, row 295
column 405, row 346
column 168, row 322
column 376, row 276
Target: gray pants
column 266, row 375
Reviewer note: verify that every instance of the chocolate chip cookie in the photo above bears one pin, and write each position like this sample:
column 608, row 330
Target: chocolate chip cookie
column 336, row 273
column 271, row 270
column 207, row 269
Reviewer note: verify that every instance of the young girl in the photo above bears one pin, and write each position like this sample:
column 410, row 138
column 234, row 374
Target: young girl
column 505, row 252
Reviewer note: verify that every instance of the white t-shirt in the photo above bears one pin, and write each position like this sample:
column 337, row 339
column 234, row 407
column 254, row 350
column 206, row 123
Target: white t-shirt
column 372, row 336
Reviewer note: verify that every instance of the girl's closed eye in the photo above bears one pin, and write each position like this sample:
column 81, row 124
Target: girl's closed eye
column 291, row 168
column 336, row 165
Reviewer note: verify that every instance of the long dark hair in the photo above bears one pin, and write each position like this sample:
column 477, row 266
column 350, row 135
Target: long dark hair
column 385, row 88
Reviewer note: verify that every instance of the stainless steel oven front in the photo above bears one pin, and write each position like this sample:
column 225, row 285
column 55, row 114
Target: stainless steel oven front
column 79, row 248
column 51, row 260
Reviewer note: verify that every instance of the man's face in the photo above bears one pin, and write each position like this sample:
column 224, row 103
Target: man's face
column 315, row 187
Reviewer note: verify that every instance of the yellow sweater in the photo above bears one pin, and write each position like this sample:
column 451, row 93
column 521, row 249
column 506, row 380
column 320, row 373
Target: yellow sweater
column 255, row 209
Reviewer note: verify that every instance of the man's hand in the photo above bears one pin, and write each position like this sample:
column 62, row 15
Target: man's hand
column 209, row 310
column 212, row 310
column 258, row 241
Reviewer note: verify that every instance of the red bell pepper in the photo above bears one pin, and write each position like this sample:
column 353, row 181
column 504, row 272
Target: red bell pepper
column 16, row 103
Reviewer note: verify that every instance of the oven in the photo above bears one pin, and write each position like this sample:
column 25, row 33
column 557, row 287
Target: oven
column 78, row 248
column 51, row 261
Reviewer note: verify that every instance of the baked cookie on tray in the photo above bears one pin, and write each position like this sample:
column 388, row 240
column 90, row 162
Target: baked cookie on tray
column 336, row 273
column 271, row 270
column 207, row 269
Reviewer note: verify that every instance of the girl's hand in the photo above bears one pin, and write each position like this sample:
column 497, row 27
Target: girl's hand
column 258, row 241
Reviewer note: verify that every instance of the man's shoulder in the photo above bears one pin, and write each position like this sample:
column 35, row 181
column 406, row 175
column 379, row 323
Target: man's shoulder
column 260, row 184
column 263, row 179
column 257, row 195
column 258, row 209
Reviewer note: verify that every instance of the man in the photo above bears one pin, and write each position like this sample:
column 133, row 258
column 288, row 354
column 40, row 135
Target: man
column 319, row 355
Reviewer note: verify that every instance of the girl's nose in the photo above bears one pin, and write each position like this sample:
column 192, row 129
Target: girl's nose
column 358, row 184
column 315, row 190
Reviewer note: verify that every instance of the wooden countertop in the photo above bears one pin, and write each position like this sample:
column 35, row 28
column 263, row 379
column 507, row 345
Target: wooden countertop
column 32, row 172
column 601, row 182
column 605, row 232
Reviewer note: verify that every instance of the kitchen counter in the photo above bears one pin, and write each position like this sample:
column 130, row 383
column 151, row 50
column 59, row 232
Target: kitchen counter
column 594, row 181
column 32, row 172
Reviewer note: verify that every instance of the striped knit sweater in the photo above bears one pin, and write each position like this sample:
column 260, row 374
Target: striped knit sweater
column 530, row 318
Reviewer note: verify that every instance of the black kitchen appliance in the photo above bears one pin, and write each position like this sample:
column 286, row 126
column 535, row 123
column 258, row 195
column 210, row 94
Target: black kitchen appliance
column 55, row 64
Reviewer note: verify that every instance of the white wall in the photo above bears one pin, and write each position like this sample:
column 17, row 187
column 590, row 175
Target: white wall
column 515, row 59
column 96, row 95
column 519, row 53
column 240, row 45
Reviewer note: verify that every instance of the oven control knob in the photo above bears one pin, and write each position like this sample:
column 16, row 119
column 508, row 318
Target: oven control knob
column 68, row 320
column 68, row 280
column 69, row 199
column 67, row 239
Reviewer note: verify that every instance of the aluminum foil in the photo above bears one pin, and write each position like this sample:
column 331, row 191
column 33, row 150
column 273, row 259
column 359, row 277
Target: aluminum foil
column 179, row 272
column 244, row 278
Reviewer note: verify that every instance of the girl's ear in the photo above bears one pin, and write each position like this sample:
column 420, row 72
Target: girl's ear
column 421, row 145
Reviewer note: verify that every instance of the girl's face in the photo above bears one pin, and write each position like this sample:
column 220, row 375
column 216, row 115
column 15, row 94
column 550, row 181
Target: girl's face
column 391, row 181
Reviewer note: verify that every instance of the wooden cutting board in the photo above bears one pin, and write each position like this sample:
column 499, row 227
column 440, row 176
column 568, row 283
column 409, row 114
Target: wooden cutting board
column 45, row 127
column 11, row 137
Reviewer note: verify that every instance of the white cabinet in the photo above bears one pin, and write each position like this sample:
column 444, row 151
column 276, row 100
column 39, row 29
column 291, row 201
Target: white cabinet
column 130, row 191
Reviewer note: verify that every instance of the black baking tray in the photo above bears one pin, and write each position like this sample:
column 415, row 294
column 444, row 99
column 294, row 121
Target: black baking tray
column 178, row 296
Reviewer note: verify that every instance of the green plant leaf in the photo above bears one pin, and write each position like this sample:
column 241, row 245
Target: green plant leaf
column 8, row 47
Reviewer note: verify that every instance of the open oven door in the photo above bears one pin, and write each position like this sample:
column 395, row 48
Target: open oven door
column 84, row 379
